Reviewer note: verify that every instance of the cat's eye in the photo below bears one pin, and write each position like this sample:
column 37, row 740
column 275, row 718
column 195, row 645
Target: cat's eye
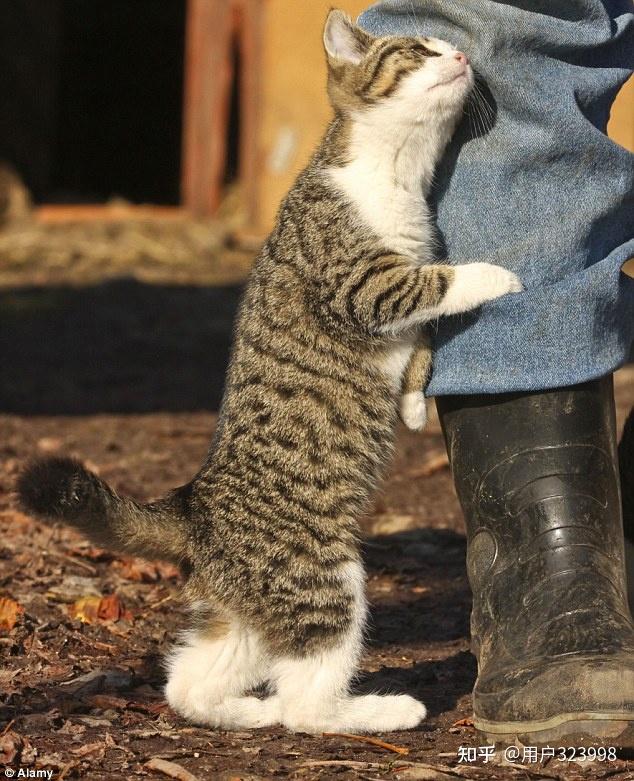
column 422, row 49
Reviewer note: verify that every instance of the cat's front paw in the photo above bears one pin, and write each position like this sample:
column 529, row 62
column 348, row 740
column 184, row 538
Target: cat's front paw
column 475, row 283
column 414, row 410
column 500, row 281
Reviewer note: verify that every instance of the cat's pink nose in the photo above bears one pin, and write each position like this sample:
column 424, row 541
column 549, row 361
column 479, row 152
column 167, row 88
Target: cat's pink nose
column 462, row 58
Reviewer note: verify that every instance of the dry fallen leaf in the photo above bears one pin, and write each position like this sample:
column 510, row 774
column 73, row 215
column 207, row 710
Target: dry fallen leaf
column 154, row 708
column 167, row 571
column 468, row 722
column 15, row 748
column 146, row 571
column 53, row 761
column 10, row 745
column 6, row 676
column 28, row 753
column 92, row 609
column 106, row 701
column 170, row 769
column 88, row 551
column 98, row 749
column 10, row 610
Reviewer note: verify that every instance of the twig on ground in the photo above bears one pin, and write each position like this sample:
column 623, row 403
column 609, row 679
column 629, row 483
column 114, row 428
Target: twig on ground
column 350, row 763
column 72, row 560
column 154, row 605
column 170, row 769
column 7, row 728
column 433, row 465
column 368, row 739
column 89, row 641
column 66, row 769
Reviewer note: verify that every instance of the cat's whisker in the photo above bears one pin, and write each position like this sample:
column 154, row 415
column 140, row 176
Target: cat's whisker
column 475, row 120
column 482, row 113
column 483, row 100
column 413, row 17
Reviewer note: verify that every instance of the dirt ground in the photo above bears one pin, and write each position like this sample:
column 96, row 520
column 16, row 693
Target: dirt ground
column 127, row 375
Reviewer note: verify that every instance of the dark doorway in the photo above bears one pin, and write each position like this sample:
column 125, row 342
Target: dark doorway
column 232, row 164
column 93, row 95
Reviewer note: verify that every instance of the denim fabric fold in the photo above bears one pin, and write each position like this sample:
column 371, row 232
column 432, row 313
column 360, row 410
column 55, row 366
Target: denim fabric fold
column 538, row 187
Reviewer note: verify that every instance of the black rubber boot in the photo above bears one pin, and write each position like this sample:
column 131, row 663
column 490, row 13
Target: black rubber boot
column 626, row 468
column 537, row 477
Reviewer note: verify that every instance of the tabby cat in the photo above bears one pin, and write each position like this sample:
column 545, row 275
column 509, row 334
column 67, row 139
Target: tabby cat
column 325, row 343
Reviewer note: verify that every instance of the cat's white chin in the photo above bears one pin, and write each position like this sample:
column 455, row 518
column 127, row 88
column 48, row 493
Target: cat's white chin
column 459, row 78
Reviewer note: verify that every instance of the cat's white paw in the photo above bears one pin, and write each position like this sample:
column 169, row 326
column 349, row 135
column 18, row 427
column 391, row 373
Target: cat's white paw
column 500, row 281
column 475, row 283
column 414, row 410
column 202, row 707
column 381, row 713
column 368, row 713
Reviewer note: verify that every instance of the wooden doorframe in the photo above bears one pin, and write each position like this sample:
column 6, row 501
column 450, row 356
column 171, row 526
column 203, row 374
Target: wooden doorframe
column 251, row 36
column 213, row 26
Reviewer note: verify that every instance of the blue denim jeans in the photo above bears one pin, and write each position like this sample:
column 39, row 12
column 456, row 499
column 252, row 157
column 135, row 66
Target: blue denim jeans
column 541, row 189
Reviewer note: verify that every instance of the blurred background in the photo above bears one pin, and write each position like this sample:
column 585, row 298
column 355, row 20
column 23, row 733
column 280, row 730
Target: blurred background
column 173, row 103
column 144, row 149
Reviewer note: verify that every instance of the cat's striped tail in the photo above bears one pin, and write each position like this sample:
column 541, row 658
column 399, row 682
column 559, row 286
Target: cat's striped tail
column 61, row 489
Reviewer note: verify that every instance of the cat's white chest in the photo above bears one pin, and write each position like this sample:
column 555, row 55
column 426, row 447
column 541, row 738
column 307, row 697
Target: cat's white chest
column 399, row 217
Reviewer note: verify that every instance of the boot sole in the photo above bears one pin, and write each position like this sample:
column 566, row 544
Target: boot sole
column 567, row 729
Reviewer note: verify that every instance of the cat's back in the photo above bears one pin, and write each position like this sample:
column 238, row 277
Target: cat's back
column 307, row 416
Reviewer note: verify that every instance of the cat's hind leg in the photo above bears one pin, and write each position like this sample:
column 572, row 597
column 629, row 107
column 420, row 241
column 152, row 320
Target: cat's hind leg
column 210, row 672
column 416, row 377
column 314, row 697
column 314, row 691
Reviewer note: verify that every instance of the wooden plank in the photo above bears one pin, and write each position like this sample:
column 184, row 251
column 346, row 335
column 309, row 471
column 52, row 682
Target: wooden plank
column 106, row 213
column 208, row 75
column 249, row 16
column 294, row 107
column 213, row 26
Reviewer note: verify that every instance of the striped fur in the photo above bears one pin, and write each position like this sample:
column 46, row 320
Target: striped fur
column 325, row 341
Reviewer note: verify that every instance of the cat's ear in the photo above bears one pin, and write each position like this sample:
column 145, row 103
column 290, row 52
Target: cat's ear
column 343, row 40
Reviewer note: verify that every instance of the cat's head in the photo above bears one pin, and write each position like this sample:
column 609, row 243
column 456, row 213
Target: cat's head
column 413, row 79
